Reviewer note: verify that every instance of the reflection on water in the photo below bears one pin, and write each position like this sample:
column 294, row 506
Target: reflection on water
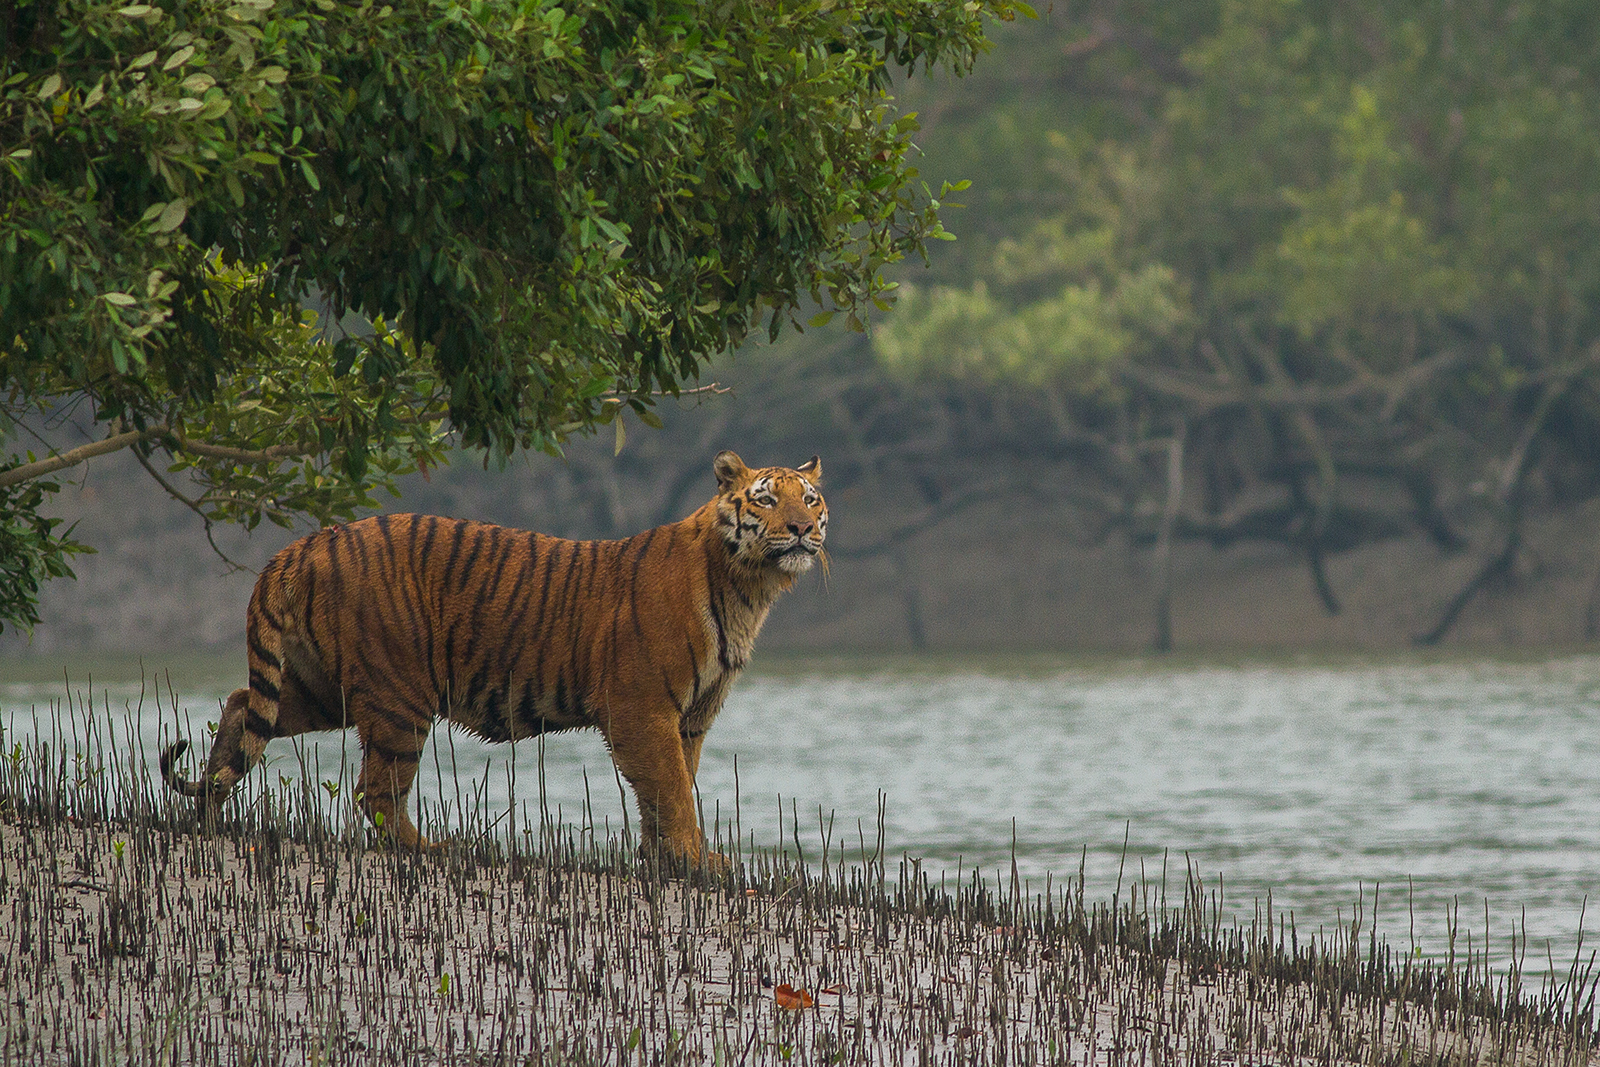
column 1444, row 784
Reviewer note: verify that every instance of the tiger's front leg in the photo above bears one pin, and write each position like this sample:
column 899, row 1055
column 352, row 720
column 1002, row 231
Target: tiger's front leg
column 651, row 756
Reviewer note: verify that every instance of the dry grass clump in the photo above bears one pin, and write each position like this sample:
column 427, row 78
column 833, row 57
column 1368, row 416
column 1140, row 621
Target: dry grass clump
column 126, row 936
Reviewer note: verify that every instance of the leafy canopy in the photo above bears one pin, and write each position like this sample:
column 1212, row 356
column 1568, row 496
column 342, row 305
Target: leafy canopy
column 560, row 210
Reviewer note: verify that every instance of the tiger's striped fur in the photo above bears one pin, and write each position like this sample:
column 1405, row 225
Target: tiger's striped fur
column 389, row 623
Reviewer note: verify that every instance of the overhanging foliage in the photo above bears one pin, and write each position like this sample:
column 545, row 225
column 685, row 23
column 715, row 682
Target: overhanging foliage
column 563, row 210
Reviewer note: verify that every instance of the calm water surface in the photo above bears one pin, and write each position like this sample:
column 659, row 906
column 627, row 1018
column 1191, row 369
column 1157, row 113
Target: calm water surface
column 1470, row 784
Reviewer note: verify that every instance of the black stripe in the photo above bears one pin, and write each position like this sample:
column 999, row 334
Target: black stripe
column 297, row 687
column 633, row 591
column 459, row 531
column 261, row 652
column 427, row 618
column 398, row 719
column 561, row 696
column 492, row 725
column 645, row 539
column 258, row 725
column 528, row 717
column 520, row 606
column 397, row 756
column 272, row 576
column 390, row 552
column 468, row 567
column 593, row 568
column 541, row 621
column 579, row 638
column 411, row 541
column 309, row 606
column 357, row 541
column 569, row 583
column 453, row 698
column 477, row 687
column 419, row 555
column 259, row 683
column 672, row 694
column 405, row 602
column 694, row 665
column 565, row 611
column 714, row 603
column 488, row 595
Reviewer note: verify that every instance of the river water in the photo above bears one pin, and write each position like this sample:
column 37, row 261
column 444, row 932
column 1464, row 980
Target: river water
column 1464, row 792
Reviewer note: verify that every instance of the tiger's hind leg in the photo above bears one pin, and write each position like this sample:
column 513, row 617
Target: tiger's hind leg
column 391, row 753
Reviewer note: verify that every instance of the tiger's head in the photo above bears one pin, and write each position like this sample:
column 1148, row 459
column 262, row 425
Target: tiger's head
column 771, row 516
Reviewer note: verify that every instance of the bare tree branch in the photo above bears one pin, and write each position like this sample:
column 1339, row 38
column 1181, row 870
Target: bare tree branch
column 242, row 455
column 27, row 472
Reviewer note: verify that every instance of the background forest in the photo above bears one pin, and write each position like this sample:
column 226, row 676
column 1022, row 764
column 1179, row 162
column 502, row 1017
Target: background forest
column 1267, row 323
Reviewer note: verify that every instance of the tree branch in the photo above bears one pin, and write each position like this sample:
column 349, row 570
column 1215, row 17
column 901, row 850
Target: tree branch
column 192, row 506
column 27, row 472
column 242, row 455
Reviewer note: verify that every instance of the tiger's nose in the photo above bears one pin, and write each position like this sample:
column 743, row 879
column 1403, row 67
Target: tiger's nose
column 800, row 529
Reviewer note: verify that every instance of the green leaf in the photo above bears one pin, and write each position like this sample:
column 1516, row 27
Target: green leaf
column 172, row 216
column 610, row 229
column 178, row 58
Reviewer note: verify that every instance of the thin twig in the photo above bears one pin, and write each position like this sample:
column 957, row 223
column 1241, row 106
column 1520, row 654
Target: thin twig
column 192, row 506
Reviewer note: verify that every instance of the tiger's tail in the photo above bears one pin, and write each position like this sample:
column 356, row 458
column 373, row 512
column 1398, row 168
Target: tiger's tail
column 176, row 782
column 227, row 763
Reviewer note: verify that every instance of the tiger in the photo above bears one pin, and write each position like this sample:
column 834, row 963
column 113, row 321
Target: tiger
column 390, row 623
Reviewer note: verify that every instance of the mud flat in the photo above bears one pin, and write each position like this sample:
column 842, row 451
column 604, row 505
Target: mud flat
column 128, row 937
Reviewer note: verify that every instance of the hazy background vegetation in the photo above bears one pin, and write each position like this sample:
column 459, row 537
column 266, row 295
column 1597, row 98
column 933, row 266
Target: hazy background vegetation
column 1269, row 323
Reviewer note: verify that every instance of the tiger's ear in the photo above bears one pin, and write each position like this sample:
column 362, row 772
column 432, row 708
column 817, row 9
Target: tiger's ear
column 812, row 468
column 728, row 468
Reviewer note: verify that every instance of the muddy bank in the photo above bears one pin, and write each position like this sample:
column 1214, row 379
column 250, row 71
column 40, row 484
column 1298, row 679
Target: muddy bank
column 130, row 939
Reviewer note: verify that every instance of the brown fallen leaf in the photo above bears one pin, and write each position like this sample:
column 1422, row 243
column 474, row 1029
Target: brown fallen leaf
column 791, row 998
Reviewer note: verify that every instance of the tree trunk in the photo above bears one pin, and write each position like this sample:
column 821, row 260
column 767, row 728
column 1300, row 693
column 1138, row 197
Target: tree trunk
column 1162, row 562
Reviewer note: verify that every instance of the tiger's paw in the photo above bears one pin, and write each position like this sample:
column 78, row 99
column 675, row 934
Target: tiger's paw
column 674, row 862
